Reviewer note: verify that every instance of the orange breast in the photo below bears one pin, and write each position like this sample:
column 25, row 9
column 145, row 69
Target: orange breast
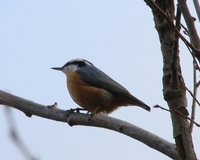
column 89, row 97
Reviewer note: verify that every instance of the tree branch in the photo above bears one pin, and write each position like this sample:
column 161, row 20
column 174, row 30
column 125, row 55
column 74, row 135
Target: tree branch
column 179, row 113
column 194, row 94
column 174, row 89
column 193, row 35
column 197, row 8
column 98, row 120
column 155, row 8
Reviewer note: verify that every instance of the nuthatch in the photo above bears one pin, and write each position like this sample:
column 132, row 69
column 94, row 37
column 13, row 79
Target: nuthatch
column 94, row 90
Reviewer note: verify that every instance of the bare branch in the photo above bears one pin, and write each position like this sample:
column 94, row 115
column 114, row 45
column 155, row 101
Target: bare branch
column 193, row 35
column 173, row 82
column 155, row 7
column 197, row 7
column 98, row 120
column 175, row 111
column 194, row 95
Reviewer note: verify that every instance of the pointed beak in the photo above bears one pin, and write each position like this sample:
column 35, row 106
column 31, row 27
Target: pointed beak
column 57, row 68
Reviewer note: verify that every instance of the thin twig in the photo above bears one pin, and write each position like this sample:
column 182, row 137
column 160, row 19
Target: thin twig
column 154, row 6
column 195, row 95
column 171, row 23
column 197, row 124
column 185, row 29
column 197, row 8
column 192, row 95
column 189, row 20
column 198, row 83
column 174, row 110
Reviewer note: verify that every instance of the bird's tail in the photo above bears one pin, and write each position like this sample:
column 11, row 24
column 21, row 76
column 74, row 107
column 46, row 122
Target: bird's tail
column 136, row 102
column 129, row 100
column 144, row 106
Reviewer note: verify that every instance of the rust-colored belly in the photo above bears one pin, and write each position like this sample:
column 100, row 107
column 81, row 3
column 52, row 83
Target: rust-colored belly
column 89, row 97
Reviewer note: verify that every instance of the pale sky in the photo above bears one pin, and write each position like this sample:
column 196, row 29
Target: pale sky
column 119, row 38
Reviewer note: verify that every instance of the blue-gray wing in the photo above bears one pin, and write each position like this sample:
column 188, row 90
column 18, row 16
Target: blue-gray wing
column 95, row 77
column 92, row 76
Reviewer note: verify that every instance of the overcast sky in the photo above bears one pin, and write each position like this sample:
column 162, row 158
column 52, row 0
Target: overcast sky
column 119, row 38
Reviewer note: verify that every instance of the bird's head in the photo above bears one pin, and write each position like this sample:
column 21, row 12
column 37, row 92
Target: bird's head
column 73, row 65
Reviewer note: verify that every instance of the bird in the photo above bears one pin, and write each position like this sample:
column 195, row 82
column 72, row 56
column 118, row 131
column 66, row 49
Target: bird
column 94, row 90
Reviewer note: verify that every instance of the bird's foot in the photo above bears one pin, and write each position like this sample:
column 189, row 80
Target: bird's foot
column 77, row 110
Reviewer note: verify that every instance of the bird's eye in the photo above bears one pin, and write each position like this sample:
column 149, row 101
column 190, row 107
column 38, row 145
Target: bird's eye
column 78, row 63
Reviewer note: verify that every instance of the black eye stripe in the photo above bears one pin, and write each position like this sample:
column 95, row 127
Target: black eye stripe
column 78, row 63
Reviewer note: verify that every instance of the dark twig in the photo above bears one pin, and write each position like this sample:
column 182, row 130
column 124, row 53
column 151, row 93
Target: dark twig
column 175, row 111
column 197, row 8
column 193, row 35
column 154, row 6
column 185, row 29
column 197, row 124
column 194, row 95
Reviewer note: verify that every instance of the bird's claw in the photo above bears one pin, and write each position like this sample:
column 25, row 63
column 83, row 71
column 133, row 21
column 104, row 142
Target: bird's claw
column 77, row 110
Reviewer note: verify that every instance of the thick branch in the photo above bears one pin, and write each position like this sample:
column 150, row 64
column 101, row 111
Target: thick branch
column 99, row 120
